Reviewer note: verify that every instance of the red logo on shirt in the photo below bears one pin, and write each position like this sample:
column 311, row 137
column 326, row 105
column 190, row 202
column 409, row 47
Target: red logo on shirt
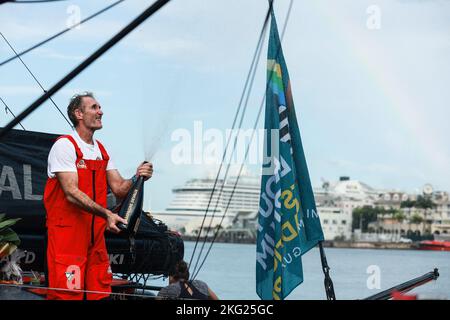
column 81, row 164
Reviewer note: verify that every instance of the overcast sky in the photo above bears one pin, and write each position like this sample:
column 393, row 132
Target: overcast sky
column 370, row 81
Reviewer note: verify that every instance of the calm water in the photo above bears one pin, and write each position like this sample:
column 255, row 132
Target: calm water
column 230, row 271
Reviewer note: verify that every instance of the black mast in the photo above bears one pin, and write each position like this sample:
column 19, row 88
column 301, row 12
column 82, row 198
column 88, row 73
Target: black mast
column 329, row 289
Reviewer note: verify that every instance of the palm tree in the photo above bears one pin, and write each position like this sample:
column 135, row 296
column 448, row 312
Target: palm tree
column 416, row 219
column 399, row 216
column 8, row 244
column 8, row 238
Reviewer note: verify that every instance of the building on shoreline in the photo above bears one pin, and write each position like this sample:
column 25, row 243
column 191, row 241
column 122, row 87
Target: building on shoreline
column 425, row 214
column 335, row 203
column 236, row 212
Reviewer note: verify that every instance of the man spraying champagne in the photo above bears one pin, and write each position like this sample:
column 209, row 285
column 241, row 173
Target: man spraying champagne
column 79, row 173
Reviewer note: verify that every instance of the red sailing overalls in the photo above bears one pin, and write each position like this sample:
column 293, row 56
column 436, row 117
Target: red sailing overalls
column 76, row 251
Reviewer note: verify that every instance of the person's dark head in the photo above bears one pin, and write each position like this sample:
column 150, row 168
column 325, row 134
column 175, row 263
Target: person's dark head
column 84, row 110
column 180, row 272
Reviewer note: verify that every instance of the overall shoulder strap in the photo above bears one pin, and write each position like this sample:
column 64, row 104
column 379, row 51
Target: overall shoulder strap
column 105, row 155
column 77, row 148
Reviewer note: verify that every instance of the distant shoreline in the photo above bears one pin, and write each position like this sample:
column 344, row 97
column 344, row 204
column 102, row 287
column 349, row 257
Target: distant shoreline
column 370, row 245
column 326, row 244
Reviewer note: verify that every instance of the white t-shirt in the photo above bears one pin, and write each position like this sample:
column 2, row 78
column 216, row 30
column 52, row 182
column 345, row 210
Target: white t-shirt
column 62, row 156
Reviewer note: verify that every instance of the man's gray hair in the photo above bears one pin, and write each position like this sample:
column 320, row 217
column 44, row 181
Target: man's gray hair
column 76, row 103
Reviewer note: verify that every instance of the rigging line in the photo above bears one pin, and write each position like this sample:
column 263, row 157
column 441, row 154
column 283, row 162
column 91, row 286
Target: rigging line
column 228, row 166
column 328, row 283
column 248, row 146
column 35, row 79
column 26, row 286
column 10, row 111
column 33, row 1
column 235, row 141
column 60, row 33
column 254, row 60
column 233, row 190
column 251, row 75
column 288, row 14
column 248, row 93
column 109, row 44
column 226, row 148
column 228, row 142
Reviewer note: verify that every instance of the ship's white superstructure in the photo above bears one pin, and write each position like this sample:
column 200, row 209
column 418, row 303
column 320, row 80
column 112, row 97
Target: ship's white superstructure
column 187, row 210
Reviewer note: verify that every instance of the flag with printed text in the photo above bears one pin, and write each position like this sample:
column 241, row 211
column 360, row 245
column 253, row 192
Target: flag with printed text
column 288, row 223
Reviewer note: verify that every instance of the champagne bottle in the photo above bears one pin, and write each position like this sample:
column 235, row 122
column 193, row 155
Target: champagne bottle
column 131, row 207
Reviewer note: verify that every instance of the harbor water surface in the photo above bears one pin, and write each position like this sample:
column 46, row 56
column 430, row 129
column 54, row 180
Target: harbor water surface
column 356, row 273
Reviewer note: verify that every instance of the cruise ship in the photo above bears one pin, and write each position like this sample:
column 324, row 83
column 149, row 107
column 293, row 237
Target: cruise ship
column 187, row 210
column 335, row 203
